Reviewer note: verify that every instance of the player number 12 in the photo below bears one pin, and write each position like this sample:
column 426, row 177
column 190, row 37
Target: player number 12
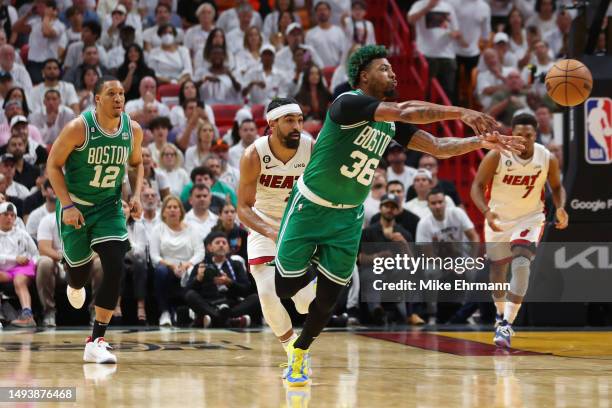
column 110, row 175
column 362, row 168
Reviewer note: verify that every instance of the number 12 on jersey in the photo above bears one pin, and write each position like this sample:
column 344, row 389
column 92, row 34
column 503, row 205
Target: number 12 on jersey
column 109, row 179
column 362, row 168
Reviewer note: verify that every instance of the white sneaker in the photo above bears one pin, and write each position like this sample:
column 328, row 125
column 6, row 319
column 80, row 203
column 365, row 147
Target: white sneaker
column 49, row 320
column 97, row 352
column 164, row 319
column 76, row 297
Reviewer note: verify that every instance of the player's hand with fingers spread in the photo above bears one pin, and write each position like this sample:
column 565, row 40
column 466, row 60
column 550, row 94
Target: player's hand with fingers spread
column 135, row 207
column 502, row 143
column 480, row 122
column 72, row 216
column 493, row 220
column 562, row 218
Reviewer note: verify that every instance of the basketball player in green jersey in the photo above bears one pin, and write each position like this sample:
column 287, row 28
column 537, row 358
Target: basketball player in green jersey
column 86, row 167
column 324, row 216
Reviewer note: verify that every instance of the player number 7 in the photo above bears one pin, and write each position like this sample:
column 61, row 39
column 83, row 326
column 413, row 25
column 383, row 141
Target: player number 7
column 529, row 189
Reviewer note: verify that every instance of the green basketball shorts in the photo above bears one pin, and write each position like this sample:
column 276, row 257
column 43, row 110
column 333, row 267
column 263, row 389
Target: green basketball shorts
column 327, row 237
column 103, row 222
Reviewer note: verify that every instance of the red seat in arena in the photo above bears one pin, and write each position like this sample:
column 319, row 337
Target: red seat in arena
column 224, row 114
column 259, row 115
column 168, row 94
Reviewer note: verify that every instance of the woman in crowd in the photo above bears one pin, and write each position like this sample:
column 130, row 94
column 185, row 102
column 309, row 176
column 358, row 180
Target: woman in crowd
column 216, row 38
column 157, row 179
column 313, row 95
column 171, row 62
column 188, row 90
column 171, row 163
column 236, row 235
column 89, row 77
column 133, row 69
column 248, row 56
column 198, row 153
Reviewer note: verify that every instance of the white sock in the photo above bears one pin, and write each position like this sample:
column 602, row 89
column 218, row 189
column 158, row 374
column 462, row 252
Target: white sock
column 499, row 304
column 285, row 343
column 510, row 311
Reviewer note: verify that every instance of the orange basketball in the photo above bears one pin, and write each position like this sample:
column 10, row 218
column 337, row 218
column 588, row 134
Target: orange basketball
column 569, row 82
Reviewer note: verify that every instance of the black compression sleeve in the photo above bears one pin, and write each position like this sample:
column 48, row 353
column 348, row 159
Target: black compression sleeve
column 404, row 132
column 350, row 108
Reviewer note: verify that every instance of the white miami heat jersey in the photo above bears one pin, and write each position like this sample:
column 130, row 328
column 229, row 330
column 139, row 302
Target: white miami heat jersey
column 276, row 178
column 517, row 188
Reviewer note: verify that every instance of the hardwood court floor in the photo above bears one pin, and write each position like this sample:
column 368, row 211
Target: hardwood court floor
column 218, row 368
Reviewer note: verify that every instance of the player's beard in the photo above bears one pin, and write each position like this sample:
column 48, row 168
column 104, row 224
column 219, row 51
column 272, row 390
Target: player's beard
column 289, row 142
column 390, row 93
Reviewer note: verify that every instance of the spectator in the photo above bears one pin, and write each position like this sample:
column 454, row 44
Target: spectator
column 248, row 56
column 444, row 224
column 152, row 36
column 535, row 74
column 430, row 163
column 116, row 55
column 35, row 153
column 51, row 74
column 75, row 55
column 46, row 39
column 219, row 86
column 175, row 249
column 295, row 40
column 533, row 36
column 18, row 256
column 202, row 60
column 121, row 15
column 148, row 7
column 263, row 82
column 187, row 134
column 159, row 128
column 339, row 81
column 74, row 16
column 220, row 291
column 135, row 266
column 357, row 29
column 150, row 209
column 53, row 118
column 200, row 217
column 272, row 20
column 88, row 80
column 133, row 71
column 500, row 11
column 474, row 20
column 197, row 35
column 230, row 175
column 558, row 39
column 6, row 83
column 248, row 134
column 386, row 230
column 170, row 61
column 235, row 234
column 203, row 175
column 148, row 92
column 278, row 39
column 230, row 20
column 339, row 8
column 38, row 214
column 7, row 169
column 517, row 34
column 19, row 74
column 545, row 19
column 14, row 106
column 84, row 6
column 8, row 18
column 398, row 170
column 423, row 183
column 235, row 37
column 501, row 44
column 91, row 58
column 328, row 39
column 170, row 165
column 198, row 153
column 313, row 96
column 490, row 80
column 437, row 33
column 405, row 218
column 371, row 205
column 25, row 173
column 219, row 188
column 544, row 117
column 156, row 179
column 189, row 90
column 506, row 102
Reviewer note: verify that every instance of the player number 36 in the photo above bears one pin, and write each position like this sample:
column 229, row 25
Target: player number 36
column 362, row 168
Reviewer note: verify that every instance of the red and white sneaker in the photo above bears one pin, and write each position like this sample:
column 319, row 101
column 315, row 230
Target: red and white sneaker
column 96, row 351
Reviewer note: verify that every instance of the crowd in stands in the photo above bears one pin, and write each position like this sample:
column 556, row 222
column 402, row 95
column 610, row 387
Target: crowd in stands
column 197, row 78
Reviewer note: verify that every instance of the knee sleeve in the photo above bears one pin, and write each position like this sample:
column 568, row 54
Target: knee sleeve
column 520, row 275
column 78, row 276
column 327, row 294
column 111, row 255
column 273, row 310
column 288, row 287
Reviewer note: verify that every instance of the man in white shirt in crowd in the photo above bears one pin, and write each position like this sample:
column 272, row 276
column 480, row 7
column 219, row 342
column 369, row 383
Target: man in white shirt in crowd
column 535, row 72
column 396, row 157
column 51, row 74
column 150, row 209
column 437, row 31
column 235, row 38
column 12, row 109
column 248, row 134
column 328, row 39
column 148, row 92
column 264, row 82
column 423, row 183
column 492, row 79
column 53, row 117
column 198, row 34
column 89, row 36
column 162, row 17
column 295, row 39
column 229, row 20
column 200, row 216
column 545, row 125
column 7, row 168
column 38, row 214
column 116, row 55
column 120, row 15
column 501, row 44
column 20, row 75
column 35, row 153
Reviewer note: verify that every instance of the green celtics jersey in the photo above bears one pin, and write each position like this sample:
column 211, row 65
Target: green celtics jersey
column 345, row 157
column 94, row 171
